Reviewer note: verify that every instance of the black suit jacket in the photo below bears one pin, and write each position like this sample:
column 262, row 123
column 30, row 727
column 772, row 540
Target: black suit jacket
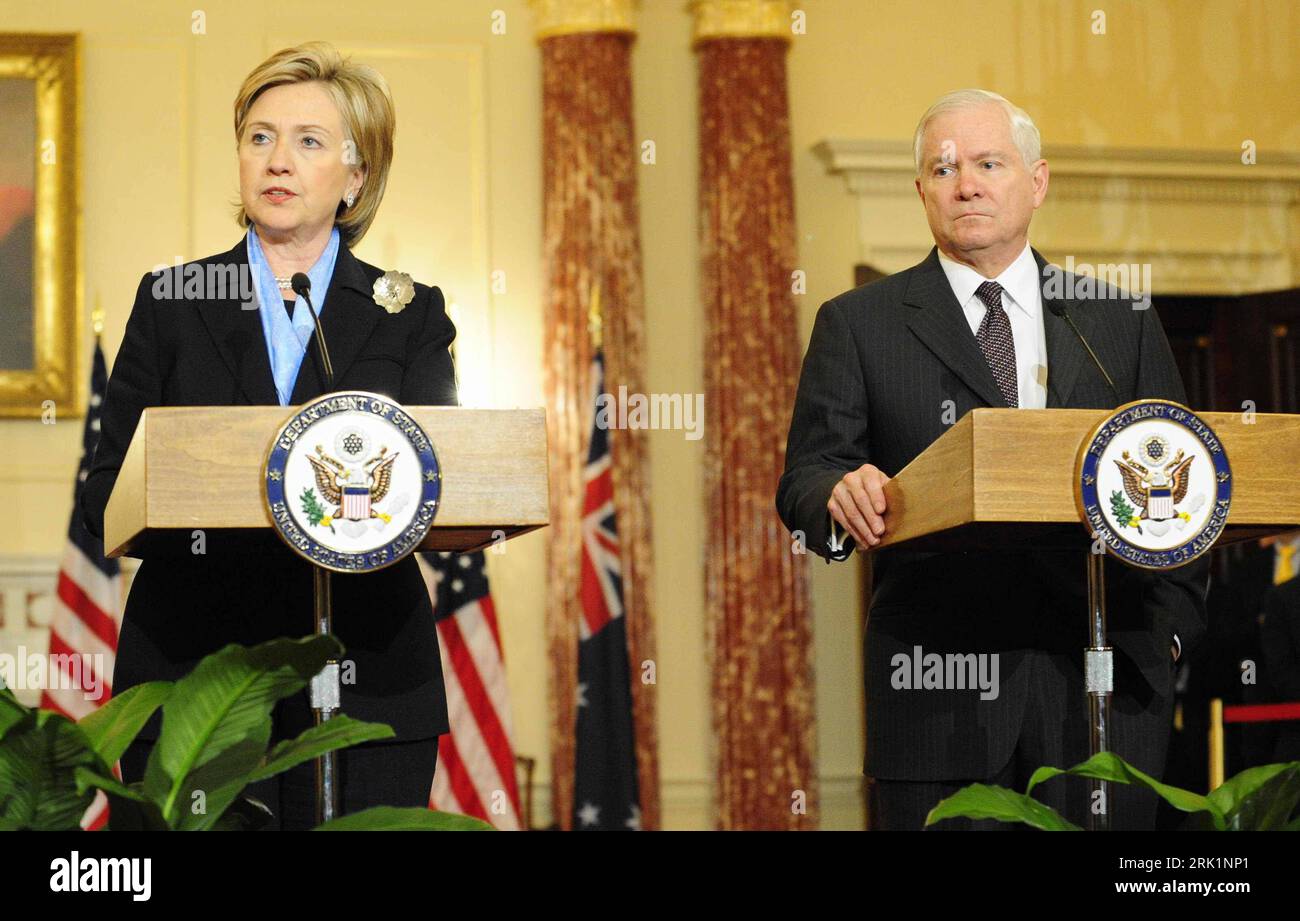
column 882, row 363
column 211, row 351
column 1279, row 628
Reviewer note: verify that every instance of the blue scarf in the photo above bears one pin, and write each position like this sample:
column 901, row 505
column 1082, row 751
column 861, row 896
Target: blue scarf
column 287, row 340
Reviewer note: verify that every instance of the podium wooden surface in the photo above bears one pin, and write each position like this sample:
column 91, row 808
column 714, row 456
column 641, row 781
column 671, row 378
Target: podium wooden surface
column 200, row 467
column 1005, row 478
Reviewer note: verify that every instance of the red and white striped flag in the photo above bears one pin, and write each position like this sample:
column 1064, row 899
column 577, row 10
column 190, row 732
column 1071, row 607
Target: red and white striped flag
column 475, row 775
column 87, row 609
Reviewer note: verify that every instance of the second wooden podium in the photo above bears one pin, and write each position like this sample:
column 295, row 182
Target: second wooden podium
column 1017, row 479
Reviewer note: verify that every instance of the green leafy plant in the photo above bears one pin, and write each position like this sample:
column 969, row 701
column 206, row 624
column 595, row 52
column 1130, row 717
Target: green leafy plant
column 216, row 726
column 1258, row 799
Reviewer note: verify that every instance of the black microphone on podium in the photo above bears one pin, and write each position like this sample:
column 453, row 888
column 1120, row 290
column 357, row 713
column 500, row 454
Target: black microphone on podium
column 1058, row 308
column 302, row 286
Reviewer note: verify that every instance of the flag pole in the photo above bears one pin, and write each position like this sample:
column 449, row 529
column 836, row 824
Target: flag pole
column 595, row 320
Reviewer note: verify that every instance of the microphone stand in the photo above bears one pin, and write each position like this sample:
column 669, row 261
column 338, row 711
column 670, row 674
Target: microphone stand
column 325, row 688
column 1098, row 655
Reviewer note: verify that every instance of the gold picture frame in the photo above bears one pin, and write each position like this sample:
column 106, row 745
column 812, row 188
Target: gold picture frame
column 48, row 213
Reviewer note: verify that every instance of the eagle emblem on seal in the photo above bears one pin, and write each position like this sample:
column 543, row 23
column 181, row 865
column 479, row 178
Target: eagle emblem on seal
column 353, row 488
column 1156, row 489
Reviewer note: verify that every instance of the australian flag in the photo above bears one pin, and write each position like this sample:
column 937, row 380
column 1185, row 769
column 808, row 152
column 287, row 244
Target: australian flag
column 605, row 789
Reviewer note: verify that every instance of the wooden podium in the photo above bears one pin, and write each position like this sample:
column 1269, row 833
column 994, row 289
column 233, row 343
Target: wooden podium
column 203, row 468
column 200, row 467
column 1004, row 479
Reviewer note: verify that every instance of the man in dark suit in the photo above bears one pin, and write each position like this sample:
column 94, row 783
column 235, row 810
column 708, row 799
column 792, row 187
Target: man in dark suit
column 1279, row 633
column 889, row 367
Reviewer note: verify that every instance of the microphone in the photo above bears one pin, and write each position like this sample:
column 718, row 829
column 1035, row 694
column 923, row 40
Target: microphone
column 1058, row 308
column 302, row 286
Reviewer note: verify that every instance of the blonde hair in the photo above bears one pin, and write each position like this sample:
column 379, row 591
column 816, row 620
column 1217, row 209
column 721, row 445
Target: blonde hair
column 365, row 105
column 1024, row 133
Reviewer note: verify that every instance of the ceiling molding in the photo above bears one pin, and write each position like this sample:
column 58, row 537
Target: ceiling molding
column 1205, row 222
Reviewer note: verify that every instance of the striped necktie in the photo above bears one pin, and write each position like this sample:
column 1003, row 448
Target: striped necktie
column 994, row 338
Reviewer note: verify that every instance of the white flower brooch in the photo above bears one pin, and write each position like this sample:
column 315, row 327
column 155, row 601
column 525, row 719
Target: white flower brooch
column 393, row 291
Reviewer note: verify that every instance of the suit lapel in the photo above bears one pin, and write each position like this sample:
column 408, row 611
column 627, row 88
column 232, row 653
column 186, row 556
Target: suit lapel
column 237, row 332
column 1065, row 354
column 941, row 325
column 350, row 316
column 938, row 321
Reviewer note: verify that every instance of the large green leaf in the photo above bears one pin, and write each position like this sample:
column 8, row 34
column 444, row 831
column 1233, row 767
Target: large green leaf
column 1110, row 766
column 413, row 818
column 1228, row 795
column 11, row 711
column 88, row 779
column 39, row 757
column 1259, row 798
column 133, row 813
column 338, row 732
column 224, row 704
column 112, row 727
column 981, row 801
column 211, row 789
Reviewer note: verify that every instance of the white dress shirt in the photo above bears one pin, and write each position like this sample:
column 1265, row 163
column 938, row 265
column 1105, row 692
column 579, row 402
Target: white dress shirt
column 1022, row 299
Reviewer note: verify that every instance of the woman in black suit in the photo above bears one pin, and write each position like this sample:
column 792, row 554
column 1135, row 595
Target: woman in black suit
column 315, row 141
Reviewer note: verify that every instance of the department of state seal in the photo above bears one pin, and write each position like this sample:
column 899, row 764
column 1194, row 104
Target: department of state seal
column 1154, row 484
column 352, row 482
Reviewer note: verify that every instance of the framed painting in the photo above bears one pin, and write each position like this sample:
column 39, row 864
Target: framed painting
column 40, row 209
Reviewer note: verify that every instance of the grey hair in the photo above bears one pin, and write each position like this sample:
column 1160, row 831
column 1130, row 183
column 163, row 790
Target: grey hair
column 1024, row 133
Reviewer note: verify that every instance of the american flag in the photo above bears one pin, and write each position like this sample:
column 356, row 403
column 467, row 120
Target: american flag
column 87, row 610
column 475, row 774
column 605, row 785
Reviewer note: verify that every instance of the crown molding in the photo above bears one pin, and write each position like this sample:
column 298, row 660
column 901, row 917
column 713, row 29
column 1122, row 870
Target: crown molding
column 1205, row 222
column 881, row 167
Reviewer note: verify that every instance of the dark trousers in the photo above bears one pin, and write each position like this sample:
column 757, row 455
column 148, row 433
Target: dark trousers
column 372, row 774
column 1054, row 732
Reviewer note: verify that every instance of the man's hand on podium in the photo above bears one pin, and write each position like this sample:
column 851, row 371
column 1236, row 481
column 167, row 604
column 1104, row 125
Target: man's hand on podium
column 858, row 503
